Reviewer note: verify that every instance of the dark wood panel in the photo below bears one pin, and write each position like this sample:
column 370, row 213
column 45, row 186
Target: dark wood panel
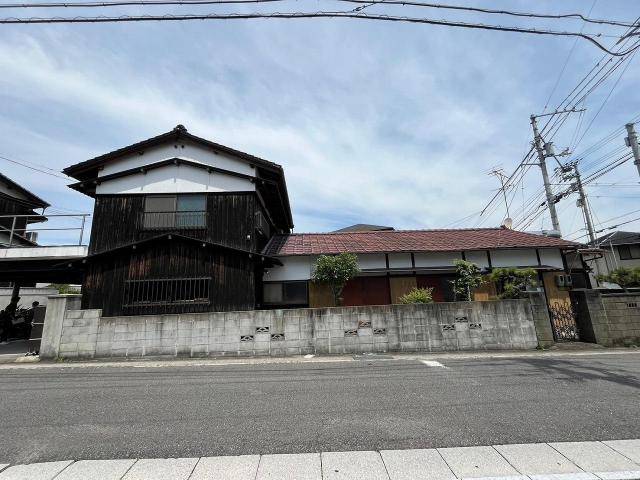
column 367, row 291
column 10, row 207
column 232, row 276
column 441, row 284
column 117, row 221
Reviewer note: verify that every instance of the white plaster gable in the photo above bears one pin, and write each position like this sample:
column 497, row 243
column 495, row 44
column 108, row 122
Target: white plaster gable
column 183, row 149
column 180, row 178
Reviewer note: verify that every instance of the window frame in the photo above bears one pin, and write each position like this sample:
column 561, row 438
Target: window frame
column 284, row 300
column 629, row 251
column 175, row 219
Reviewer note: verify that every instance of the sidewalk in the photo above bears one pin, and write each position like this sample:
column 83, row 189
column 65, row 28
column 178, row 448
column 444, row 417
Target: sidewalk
column 561, row 350
column 608, row 460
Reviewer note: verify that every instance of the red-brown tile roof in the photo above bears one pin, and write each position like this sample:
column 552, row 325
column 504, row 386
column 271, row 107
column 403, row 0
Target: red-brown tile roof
column 409, row 241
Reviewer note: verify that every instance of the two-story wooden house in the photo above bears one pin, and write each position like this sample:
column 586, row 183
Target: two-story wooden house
column 179, row 225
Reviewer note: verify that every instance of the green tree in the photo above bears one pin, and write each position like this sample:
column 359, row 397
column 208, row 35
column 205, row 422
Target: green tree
column 468, row 277
column 336, row 271
column 624, row 276
column 417, row 295
column 512, row 282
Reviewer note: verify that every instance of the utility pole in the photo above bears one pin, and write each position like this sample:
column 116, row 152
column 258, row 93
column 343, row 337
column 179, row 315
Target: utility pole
column 570, row 172
column 632, row 141
column 584, row 204
column 545, row 150
column 542, row 162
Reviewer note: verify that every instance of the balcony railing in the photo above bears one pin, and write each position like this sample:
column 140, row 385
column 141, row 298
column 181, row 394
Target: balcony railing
column 19, row 235
column 174, row 220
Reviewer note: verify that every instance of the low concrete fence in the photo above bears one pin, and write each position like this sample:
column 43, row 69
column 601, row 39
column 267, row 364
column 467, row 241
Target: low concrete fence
column 508, row 324
column 608, row 319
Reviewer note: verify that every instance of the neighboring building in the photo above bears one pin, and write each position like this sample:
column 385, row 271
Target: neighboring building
column 182, row 224
column 394, row 262
column 178, row 226
column 620, row 249
column 364, row 227
column 15, row 203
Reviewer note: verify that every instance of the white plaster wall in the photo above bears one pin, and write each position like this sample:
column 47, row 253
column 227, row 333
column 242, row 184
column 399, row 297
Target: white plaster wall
column 67, row 251
column 372, row 261
column 436, row 259
column 514, row 258
column 294, row 268
column 175, row 179
column 191, row 151
column 400, row 260
column 551, row 257
column 479, row 257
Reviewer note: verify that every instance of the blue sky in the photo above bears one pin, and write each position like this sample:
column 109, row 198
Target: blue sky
column 385, row 123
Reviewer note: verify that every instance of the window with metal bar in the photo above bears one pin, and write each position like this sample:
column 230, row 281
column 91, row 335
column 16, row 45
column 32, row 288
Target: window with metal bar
column 167, row 291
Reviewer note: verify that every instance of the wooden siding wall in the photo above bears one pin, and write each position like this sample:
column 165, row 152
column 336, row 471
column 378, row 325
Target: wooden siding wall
column 401, row 286
column 117, row 221
column 232, row 273
column 10, row 207
column 367, row 291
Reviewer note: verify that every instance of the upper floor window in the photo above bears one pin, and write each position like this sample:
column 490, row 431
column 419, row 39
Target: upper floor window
column 629, row 252
column 162, row 212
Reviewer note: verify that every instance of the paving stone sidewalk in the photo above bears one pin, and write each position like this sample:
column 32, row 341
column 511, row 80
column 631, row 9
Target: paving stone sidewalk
column 607, row 460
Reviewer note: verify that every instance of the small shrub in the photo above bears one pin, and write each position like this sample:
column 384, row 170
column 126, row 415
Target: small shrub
column 513, row 282
column 417, row 295
column 64, row 288
column 623, row 276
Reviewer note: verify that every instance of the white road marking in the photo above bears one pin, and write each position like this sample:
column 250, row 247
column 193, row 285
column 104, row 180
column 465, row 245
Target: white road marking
column 432, row 363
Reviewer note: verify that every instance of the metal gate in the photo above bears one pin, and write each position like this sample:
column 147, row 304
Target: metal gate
column 563, row 322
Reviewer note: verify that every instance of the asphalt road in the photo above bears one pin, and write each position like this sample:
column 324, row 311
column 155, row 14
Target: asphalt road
column 123, row 412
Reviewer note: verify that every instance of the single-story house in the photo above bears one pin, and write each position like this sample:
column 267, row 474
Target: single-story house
column 392, row 262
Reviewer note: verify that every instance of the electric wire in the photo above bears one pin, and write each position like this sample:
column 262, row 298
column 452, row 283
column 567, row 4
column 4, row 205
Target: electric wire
column 318, row 14
column 118, row 3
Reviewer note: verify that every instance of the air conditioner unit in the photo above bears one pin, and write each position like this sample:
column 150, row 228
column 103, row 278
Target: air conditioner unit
column 564, row 281
column 31, row 236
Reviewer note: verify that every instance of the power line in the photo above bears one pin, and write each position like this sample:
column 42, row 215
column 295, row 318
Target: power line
column 559, row 120
column 566, row 62
column 32, row 168
column 118, row 3
column 319, row 14
column 604, row 102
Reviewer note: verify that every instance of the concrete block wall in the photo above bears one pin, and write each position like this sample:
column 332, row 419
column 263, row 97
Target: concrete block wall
column 608, row 319
column 541, row 320
column 623, row 315
column 506, row 324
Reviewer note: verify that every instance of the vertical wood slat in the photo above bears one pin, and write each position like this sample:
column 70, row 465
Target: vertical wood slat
column 229, row 219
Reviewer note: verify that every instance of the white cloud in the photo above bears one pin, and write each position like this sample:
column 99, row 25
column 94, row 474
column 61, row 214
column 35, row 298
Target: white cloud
column 373, row 123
